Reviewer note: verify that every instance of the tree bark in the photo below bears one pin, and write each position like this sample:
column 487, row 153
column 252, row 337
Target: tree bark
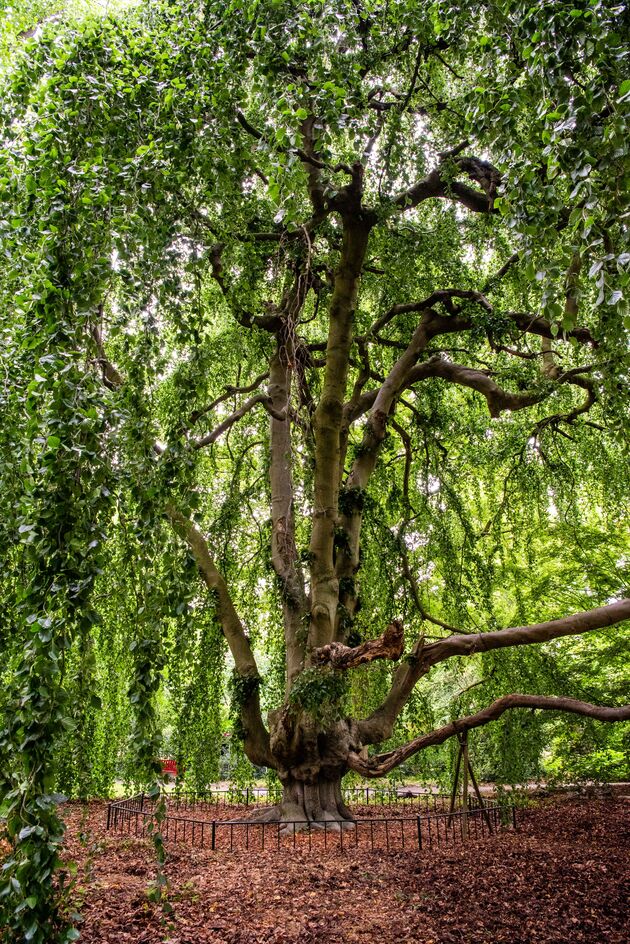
column 316, row 805
column 284, row 555
column 388, row 646
column 327, row 424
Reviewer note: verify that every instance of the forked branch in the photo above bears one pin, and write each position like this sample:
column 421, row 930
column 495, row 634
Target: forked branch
column 233, row 418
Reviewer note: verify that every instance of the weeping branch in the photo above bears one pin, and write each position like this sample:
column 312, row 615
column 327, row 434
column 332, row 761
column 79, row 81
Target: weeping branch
column 381, row 764
column 415, row 592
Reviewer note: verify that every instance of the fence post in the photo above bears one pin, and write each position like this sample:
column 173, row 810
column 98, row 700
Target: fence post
column 141, row 802
column 109, row 814
column 419, row 833
column 214, row 835
column 246, row 796
column 513, row 817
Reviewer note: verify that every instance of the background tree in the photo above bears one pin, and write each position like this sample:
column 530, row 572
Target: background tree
column 323, row 303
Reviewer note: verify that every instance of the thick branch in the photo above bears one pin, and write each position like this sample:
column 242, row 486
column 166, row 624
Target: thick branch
column 498, row 399
column 388, row 646
column 381, row 764
column 598, row 618
column 256, row 741
column 284, row 555
column 438, row 184
column 347, row 563
column 313, row 169
column 379, row 725
column 327, row 422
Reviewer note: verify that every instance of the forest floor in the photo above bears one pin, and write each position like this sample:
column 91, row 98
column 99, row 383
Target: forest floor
column 562, row 878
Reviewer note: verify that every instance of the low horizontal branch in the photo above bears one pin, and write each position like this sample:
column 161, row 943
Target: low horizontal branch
column 381, row 764
column 597, row 618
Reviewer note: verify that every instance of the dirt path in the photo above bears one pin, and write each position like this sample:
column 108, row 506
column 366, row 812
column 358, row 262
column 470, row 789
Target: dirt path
column 563, row 878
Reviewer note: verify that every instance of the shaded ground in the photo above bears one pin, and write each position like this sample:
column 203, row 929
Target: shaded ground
column 563, row 878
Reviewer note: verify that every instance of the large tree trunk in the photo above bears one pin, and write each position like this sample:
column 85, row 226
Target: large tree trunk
column 310, row 759
column 313, row 804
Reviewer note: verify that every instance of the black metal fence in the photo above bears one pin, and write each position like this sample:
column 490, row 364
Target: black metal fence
column 424, row 830
column 353, row 796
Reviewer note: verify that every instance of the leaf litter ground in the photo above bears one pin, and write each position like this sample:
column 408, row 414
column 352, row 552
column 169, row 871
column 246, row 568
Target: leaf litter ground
column 562, row 878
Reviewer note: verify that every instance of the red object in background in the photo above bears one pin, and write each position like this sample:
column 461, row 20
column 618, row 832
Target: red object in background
column 169, row 766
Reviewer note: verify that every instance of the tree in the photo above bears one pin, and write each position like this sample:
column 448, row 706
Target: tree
column 361, row 266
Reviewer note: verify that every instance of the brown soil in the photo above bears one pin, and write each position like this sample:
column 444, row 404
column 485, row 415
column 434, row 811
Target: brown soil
column 562, row 878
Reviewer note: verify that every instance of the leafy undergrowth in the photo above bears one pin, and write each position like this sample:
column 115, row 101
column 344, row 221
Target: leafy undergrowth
column 563, row 878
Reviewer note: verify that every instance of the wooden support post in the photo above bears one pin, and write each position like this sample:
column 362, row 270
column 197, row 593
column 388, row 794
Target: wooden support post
column 464, row 749
column 454, row 790
column 482, row 805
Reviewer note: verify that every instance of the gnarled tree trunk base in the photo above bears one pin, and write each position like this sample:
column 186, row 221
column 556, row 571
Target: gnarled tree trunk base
column 304, row 806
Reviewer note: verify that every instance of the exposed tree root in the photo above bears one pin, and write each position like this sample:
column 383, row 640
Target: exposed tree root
column 308, row 806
